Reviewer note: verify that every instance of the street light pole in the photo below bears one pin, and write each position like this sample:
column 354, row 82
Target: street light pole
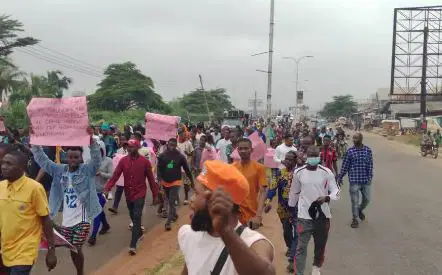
column 270, row 65
column 297, row 61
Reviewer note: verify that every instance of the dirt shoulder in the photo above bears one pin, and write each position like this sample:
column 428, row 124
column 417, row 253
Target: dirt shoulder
column 159, row 252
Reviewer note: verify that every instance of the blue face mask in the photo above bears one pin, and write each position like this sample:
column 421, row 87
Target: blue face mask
column 313, row 161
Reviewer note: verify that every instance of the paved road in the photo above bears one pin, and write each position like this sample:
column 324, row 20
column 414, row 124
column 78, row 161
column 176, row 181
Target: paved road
column 403, row 231
column 402, row 234
column 107, row 246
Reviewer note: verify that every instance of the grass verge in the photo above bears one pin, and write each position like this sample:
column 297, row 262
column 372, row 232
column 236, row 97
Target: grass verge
column 171, row 266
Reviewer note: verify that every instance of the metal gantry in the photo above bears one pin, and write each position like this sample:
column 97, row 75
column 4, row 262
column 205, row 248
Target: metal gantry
column 416, row 51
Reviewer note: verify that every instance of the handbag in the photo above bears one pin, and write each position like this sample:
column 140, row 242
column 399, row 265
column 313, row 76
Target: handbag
column 224, row 254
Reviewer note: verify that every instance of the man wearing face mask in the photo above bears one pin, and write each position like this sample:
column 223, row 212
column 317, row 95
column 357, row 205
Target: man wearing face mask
column 358, row 163
column 312, row 189
column 215, row 242
column 306, row 142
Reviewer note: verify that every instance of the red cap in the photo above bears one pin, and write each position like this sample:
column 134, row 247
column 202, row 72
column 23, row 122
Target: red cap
column 134, row 143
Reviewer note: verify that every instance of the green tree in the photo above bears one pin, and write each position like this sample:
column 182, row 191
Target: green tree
column 193, row 104
column 10, row 79
column 9, row 38
column 52, row 85
column 125, row 87
column 342, row 105
column 56, row 83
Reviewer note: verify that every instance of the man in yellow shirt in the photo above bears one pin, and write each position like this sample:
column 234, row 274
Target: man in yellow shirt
column 252, row 207
column 24, row 214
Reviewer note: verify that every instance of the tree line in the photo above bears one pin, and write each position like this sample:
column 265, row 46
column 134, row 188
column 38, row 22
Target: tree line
column 122, row 95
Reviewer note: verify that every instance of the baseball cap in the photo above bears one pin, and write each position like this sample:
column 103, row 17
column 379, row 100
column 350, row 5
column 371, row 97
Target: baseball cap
column 134, row 143
column 216, row 174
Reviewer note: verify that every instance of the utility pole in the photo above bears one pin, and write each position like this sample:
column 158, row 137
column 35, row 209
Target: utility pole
column 424, row 76
column 254, row 103
column 205, row 97
column 270, row 66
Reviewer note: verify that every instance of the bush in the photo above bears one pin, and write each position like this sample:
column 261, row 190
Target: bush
column 15, row 115
column 118, row 118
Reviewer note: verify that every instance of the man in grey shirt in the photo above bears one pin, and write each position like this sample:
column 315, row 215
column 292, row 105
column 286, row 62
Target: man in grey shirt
column 104, row 173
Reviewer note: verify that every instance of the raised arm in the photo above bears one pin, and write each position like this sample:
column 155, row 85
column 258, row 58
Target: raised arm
column 44, row 162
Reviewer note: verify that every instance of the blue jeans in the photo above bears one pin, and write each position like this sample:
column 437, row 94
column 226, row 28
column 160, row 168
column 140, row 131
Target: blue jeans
column 100, row 219
column 356, row 206
column 19, row 270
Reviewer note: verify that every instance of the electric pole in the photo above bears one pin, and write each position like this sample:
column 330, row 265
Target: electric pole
column 205, row 97
column 255, row 103
column 269, row 70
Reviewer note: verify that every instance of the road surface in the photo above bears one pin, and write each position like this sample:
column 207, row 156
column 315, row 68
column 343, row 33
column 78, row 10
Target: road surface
column 403, row 231
column 107, row 246
column 402, row 234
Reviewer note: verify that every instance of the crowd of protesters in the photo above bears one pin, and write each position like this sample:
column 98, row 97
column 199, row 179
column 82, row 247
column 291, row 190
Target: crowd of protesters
column 229, row 198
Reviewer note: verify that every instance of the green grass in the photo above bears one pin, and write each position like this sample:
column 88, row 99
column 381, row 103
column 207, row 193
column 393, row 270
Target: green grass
column 176, row 261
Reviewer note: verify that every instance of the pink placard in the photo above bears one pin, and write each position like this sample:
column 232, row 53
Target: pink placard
column 59, row 241
column 115, row 161
column 268, row 159
column 59, row 121
column 161, row 127
column 259, row 148
column 208, row 154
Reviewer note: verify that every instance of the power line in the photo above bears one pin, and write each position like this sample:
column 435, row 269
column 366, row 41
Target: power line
column 60, row 63
column 70, row 61
column 70, row 57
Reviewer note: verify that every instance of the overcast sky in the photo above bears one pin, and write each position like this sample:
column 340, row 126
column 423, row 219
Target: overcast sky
column 175, row 40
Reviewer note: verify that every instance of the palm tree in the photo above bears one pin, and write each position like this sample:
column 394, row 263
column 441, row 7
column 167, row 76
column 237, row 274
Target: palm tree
column 28, row 89
column 10, row 79
column 58, row 83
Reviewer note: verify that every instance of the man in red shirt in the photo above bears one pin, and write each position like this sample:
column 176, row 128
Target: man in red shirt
column 328, row 155
column 135, row 169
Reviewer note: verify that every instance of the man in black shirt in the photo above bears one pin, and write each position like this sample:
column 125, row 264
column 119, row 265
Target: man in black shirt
column 169, row 168
column 38, row 174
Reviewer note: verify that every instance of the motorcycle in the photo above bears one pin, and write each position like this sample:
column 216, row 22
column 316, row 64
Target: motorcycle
column 430, row 149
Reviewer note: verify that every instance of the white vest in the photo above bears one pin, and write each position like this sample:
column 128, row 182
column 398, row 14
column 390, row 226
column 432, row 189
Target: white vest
column 201, row 251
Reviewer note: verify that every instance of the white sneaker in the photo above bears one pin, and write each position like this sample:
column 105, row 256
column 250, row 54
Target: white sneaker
column 316, row 270
column 110, row 196
column 131, row 225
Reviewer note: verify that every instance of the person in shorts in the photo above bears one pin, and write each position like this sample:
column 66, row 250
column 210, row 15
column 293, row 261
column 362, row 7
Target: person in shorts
column 73, row 187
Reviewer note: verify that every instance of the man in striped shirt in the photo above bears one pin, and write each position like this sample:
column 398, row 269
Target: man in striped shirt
column 358, row 163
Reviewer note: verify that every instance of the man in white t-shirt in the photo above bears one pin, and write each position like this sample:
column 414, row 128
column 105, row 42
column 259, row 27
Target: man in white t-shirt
column 312, row 189
column 215, row 228
column 222, row 144
column 283, row 149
